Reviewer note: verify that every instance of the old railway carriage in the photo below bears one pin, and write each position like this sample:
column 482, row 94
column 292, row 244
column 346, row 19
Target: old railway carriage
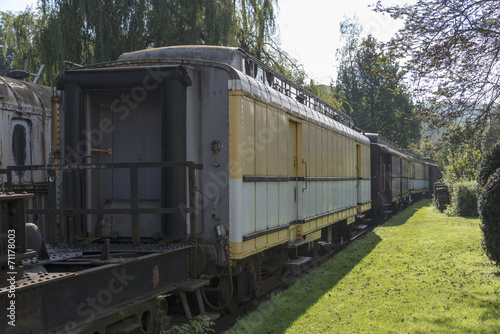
column 25, row 110
column 293, row 170
column 390, row 175
column 25, row 113
column 419, row 176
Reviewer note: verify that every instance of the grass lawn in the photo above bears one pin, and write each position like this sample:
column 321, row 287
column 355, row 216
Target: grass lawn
column 421, row 272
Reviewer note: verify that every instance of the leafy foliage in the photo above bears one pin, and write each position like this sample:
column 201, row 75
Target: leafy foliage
column 462, row 163
column 196, row 326
column 19, row 41
column 463, row 200
column 489, row 163
column 454, row 50
column 93, row 31
column 489, row 208
column 330, row 95
column 375, row 94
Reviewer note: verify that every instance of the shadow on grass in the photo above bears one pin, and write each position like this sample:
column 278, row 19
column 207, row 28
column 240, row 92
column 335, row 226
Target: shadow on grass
column 403, row 216
column 278, row 313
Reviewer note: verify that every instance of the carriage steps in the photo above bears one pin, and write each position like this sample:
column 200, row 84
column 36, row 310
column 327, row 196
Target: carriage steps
column 299, row 261
column 194, row 285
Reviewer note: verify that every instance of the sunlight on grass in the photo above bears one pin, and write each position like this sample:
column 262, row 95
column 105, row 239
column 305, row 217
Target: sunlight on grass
column 421, row 272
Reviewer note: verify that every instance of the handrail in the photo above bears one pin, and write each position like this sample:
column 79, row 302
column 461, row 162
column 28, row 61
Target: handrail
column 134, row 210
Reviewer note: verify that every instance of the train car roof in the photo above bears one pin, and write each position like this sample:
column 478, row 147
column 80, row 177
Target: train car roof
column 260, row 80
column 379, row 139
column 389, row 150
column 23, row 96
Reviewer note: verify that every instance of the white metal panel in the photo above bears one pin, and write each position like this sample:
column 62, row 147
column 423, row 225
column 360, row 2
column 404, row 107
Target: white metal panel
column 325, row 196
column 313, row 197
column 306, row 200
column 292, row 195
column 247, row 210
column 330, row 196
column 273, row 204
column 283, row 203
column 236, row 221
column 261, row 199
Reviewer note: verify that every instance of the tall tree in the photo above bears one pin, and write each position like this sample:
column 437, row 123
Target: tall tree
column 257, row 24
column 454, row 52
column 372, row 82
column 100, row 30
column 18, row 36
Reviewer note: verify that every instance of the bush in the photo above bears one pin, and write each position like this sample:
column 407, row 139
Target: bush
column 489, row 208
column 200, row 325
column 463, row 199
column 489, row 163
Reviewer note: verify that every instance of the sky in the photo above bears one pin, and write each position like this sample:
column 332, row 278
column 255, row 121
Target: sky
column 311, row 33
column 309, row 30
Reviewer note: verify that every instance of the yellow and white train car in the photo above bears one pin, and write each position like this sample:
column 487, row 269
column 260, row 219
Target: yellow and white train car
column 418, row 176
column 296, row 165
column 293, row 171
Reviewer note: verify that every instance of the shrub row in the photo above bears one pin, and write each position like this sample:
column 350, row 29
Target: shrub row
column 463, row 199
column 489, row 203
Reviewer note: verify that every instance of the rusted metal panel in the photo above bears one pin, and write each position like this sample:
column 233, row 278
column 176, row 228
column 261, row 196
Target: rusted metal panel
column 25, row 112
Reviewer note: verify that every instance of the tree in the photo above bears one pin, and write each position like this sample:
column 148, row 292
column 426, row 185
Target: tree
column 372, row 83
column 18, row 35
column 454, row 52
column 330, row 96
column 93, row 31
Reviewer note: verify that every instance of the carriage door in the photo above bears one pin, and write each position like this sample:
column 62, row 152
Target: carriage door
column 293, row 163
column 131, row 135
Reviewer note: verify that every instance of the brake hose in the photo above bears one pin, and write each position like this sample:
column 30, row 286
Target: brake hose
column 226, row 251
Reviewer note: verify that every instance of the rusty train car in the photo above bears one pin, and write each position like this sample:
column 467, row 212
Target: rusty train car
column 182, row 170
column 25, row 130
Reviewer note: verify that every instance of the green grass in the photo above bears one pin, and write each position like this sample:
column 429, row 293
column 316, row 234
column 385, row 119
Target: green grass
column 421, row 272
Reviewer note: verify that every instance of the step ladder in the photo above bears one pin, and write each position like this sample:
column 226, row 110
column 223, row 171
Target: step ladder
column 299, row 261
column 360, row 226
column 386, row 208
column 195, row 286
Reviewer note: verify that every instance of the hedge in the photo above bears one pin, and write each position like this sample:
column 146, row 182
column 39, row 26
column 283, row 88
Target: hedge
column 489, row 210
column 463, row 200
column 489, row 163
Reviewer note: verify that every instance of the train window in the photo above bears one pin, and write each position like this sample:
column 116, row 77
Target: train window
column 21, row 144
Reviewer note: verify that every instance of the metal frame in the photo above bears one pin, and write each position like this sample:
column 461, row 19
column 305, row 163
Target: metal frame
column 134, row 211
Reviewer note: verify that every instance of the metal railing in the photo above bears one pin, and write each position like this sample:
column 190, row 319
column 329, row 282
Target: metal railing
column 54, row 209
